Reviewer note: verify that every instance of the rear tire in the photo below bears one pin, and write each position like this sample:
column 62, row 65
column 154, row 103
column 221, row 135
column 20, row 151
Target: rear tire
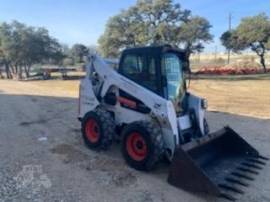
column 98, row 129
column 142, row 145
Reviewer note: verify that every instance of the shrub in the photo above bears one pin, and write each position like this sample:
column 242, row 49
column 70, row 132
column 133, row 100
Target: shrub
column 230, row 71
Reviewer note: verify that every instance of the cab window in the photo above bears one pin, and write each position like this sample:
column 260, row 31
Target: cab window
column 141, row 70
column 172, row 70
column 133, row 65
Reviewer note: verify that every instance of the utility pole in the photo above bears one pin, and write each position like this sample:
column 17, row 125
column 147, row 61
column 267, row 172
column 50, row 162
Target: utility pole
column 230, row 29
column 215, row 54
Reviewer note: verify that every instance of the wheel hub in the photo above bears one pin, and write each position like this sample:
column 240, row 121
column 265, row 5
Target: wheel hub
column 136, row 146
column 92, row 130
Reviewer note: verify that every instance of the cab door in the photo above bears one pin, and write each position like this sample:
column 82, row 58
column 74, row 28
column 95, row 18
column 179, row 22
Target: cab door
column 142, row 69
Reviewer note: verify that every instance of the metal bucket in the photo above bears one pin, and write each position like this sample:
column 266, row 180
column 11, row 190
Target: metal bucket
column 220, row 164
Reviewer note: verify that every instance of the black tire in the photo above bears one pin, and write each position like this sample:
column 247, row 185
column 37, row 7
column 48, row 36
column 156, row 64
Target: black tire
column 104, row 125
column 153, row 141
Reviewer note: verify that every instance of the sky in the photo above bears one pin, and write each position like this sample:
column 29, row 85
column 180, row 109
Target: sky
column 83, row 21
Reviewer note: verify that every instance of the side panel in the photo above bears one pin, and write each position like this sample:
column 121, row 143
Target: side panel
column 125, row 115
column 195, row 103
column 161, row 109
column 184, row 122
column 172, row 118
column 87, row 98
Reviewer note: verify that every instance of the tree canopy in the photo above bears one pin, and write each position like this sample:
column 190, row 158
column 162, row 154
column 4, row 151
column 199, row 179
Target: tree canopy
column 78, row 51
column 154, row 22
column 252, row 32
column 22, row 46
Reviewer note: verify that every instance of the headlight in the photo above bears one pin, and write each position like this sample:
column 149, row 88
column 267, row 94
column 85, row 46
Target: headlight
column 204, row 104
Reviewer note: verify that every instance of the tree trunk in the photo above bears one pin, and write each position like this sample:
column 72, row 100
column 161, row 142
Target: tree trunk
column 13, row 73
column 229, row 56
column 18, row 72
column 261, row 55
column 27, row 71
column 1, row 76
column 7, row 69
column 263, row 63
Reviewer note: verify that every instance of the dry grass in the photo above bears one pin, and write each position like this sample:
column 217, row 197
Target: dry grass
column 72, row 87
column 248, row 97
column 54, row 88
column 245, row 97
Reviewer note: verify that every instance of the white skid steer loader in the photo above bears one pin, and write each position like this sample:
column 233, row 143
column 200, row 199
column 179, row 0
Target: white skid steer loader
column 146, row 106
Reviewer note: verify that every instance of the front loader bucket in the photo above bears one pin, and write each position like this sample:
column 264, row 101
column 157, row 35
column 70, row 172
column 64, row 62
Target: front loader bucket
column 221, row 164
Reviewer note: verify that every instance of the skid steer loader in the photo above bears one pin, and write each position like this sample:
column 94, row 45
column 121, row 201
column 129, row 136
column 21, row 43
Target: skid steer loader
column 145, row 105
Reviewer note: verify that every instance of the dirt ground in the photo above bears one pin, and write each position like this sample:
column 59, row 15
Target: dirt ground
column 43, row 157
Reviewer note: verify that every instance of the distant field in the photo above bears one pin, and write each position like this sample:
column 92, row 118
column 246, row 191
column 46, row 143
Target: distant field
column 220, row 59
column 51, row 88
column 244, row 97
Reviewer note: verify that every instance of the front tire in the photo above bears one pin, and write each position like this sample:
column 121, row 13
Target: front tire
column 142, row 145
column 98, row 129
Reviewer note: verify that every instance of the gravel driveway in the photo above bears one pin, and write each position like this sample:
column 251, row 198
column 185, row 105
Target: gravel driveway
column 43, row 157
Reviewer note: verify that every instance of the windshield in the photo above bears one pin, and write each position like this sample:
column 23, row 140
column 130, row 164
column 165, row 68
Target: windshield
column 172, row 71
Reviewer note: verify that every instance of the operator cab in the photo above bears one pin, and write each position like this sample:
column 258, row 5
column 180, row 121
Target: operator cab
column 160, row 69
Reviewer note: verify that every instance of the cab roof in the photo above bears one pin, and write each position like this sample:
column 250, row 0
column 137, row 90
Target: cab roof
column 154, row 50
